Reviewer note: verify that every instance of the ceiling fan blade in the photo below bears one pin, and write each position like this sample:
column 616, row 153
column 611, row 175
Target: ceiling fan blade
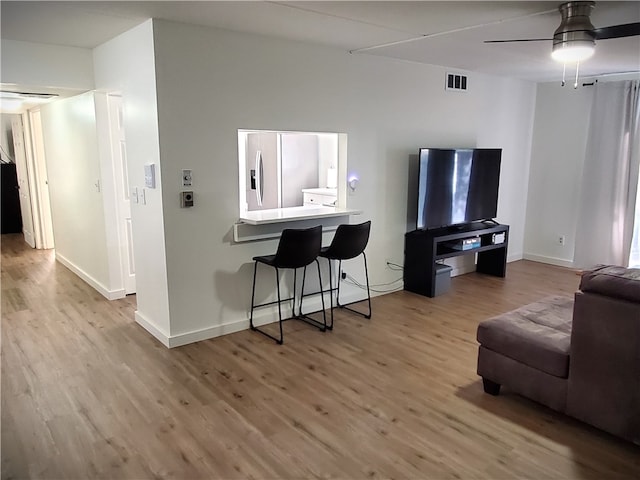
column 520, row 40
column 618, row 31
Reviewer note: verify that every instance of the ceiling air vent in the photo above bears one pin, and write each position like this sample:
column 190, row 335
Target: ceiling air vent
column 456, row 82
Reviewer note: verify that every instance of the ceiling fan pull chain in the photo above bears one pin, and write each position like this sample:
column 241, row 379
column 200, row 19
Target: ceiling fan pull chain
column 575, row 85
column 564, row 72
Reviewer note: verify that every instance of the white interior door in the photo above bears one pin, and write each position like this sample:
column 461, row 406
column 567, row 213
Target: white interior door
column 17, row 131
column 119, row 154
column 43, row 222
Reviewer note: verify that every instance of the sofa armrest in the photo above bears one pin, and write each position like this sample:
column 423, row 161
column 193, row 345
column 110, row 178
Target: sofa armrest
column 604, row 367
column 613, row 281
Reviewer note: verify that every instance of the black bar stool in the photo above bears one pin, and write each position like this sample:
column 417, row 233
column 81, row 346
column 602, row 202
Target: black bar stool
column 297, row 248
column 348, row 242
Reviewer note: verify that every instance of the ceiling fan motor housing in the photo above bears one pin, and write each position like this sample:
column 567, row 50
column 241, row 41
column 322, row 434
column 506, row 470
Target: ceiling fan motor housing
column 576, row 29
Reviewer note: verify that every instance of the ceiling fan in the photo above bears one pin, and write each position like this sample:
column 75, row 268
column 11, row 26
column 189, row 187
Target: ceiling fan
column 575, row 39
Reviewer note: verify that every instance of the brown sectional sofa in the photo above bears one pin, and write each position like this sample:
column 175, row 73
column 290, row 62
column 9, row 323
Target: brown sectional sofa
column 578, row 357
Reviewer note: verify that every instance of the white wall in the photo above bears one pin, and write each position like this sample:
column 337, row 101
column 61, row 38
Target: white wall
column 508, row 112
column 557, row 156
column 192, row 281
column 126, row 65
column 212, row 82
column 73, row 166
column 109, row 195
column 40, row 65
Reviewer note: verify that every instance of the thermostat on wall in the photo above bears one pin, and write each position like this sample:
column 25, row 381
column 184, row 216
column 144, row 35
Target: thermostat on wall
column 150, row 175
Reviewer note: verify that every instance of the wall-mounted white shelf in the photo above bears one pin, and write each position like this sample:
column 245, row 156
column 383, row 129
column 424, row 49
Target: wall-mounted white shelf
column 266, row 224
column 292, row 214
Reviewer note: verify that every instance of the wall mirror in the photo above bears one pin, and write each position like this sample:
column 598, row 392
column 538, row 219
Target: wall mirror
column 285, row 169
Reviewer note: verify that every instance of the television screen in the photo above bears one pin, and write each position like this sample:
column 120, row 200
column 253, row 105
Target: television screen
column 457, row 186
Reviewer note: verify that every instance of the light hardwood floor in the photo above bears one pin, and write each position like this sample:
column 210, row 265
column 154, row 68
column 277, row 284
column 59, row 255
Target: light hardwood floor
column 87, row 393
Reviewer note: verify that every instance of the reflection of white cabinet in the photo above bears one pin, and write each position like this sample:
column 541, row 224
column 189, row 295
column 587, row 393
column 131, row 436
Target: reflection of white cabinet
column 320, row 196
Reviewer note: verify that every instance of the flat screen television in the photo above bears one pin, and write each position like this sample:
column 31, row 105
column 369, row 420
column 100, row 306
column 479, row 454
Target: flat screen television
column 457, row 186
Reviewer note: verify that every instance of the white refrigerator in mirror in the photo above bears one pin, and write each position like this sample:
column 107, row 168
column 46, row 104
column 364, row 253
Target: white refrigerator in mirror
column 279, row 166
column 262, row 171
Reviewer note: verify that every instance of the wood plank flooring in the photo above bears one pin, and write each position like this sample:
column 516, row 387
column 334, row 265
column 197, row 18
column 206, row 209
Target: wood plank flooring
column 87, row 393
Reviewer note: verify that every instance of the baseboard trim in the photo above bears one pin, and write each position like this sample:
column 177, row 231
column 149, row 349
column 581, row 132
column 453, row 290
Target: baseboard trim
column 208, row 333
column 104, row 291
column 145, row 323
column 559, row 262
column 264, row 317
column 514, row 257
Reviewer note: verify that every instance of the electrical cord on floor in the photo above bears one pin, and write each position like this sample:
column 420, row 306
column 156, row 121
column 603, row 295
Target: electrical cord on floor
column 395, row 266
column 352, row 281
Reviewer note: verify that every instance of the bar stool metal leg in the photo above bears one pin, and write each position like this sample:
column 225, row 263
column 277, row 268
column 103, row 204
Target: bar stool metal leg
column 338, row 286
column 366, row 272
column 304, row 277
column 324, row 312
column 330, row 327
column 253, row 295
column 280, row 340
column 305, row 318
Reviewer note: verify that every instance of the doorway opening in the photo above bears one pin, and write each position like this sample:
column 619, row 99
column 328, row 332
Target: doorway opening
column 22, row 135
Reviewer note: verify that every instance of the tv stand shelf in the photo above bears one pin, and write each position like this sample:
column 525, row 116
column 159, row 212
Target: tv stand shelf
column 424, row 247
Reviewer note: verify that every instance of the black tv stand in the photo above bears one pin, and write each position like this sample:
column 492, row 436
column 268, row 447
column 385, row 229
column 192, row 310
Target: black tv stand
column 423, row 248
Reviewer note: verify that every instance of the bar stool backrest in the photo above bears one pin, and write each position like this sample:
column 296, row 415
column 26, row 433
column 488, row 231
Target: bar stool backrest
column 349, row 241
column 298, row 247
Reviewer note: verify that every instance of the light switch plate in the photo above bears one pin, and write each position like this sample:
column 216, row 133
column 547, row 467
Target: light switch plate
column 187, row 178
column 150, row 175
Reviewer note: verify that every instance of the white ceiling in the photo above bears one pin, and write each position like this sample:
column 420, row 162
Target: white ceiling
column 448, row 33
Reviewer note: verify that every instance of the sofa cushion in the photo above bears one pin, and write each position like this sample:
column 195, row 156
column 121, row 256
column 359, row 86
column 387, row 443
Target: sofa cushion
column 538, row 334
column 617, row 282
